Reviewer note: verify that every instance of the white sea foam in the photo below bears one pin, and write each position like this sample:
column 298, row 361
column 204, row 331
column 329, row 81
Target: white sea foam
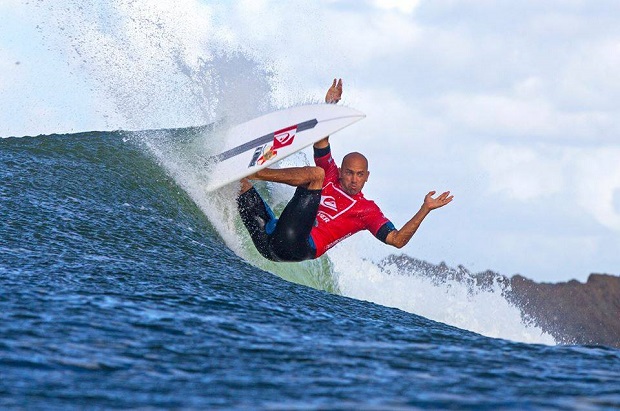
column 484, row 311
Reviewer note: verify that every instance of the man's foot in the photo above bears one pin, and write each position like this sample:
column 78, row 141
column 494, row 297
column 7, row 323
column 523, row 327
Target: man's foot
column 245, row 185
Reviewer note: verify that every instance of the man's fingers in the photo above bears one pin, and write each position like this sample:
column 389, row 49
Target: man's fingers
column 334, row 92
column 441, row 200
column 445, row 199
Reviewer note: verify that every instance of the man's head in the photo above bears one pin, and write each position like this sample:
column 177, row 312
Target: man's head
column 354, row 173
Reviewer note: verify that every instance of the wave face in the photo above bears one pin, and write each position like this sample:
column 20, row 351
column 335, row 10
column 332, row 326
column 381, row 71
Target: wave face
column 118, row 292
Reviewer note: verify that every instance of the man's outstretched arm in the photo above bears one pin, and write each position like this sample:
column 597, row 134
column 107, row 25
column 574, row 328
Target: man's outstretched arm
column 332, row 97
column 399, row 238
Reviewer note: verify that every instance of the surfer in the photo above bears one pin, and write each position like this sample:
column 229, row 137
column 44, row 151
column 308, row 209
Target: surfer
column 327, row 207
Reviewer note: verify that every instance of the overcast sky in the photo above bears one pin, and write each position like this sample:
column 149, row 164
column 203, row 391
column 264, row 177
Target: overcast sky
column 513, row 106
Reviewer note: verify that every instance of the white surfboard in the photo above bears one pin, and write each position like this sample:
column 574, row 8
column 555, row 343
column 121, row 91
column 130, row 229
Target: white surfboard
column 265, row 140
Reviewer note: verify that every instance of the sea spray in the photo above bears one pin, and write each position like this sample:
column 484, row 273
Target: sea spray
column 160, row 70
column 161, row 64
column 481, row 309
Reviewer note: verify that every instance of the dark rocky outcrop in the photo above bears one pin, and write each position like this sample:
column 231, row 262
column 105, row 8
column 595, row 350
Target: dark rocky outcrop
column 572, row 312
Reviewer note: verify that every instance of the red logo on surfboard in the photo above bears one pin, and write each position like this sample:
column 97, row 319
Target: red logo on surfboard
column 284, row 137
column 281, row 138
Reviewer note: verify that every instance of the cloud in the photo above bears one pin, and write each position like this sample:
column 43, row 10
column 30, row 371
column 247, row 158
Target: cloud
column 9, row 70
column 585, row 178
column 510, row 115
column 597, row 184
column 320, row 35
column 403, row 6
column 522, row 173
column 589, row 79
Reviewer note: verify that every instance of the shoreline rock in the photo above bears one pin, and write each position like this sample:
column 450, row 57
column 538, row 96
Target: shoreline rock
column 572, row 312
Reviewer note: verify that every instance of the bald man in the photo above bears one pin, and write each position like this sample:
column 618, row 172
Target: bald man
column 327, row 207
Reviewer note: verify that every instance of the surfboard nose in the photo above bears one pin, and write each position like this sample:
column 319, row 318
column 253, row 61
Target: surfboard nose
column 345, row 111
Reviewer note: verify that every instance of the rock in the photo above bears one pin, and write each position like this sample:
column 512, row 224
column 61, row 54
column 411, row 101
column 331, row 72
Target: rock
column 572, row 312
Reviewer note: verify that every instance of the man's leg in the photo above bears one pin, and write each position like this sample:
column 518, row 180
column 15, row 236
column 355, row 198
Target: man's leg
column 257, row 217
column 307, row 177
column 291, row 239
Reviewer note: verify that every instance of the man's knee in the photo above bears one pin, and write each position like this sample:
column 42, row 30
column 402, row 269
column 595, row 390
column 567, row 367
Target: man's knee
column 317, row 175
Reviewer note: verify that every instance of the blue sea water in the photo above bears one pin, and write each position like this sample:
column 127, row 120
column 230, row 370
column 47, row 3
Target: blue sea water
column 118, row 292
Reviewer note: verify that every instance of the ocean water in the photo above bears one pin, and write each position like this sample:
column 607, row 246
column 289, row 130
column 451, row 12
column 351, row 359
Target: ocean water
column 118, row 291
column 125, row 285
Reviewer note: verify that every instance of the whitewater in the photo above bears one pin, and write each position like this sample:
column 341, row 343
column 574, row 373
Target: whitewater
column 126, row 285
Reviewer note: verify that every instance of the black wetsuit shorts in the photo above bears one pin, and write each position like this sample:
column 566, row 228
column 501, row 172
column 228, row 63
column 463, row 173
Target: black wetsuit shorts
column 287, row 238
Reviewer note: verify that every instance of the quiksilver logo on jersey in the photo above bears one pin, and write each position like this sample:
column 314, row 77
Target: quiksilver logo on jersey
column 334, row 202
column 329, row 202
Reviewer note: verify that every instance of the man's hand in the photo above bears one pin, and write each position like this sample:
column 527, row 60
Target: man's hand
column 432, row 203
column 334, row 93
column 400, row 238
column 332, row 97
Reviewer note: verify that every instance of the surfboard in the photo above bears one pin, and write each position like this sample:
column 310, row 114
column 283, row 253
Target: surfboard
column 265, row 140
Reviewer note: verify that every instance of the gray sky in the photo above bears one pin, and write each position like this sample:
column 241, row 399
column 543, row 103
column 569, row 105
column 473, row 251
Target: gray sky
column 513, row 106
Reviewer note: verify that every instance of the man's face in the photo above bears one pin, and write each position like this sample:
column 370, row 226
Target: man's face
column 353, row 173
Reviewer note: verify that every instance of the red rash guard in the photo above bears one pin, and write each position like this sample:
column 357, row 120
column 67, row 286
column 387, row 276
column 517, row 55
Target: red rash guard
column 341, row 215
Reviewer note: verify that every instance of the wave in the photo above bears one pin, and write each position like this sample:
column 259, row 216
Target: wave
column 346, row 269
column 153, row 71
column 180, row 155
column 116, row 284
